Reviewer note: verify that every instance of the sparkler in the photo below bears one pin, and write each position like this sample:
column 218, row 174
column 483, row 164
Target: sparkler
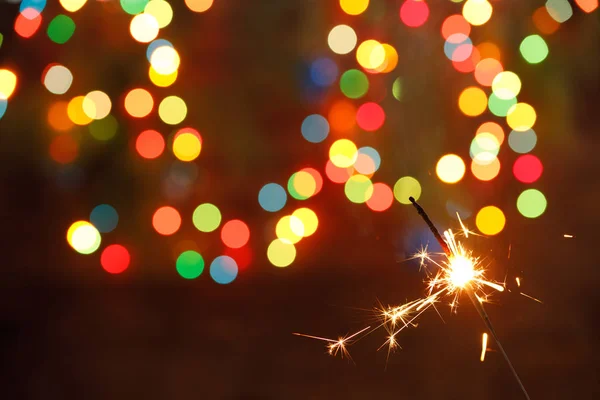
column 461, row 272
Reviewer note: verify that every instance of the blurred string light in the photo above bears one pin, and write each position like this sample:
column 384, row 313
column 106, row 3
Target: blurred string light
column 172, row 110
column 189, row 264
column 534, row 49
column 315, row 128
column 323, row 72
column 187, row 145
column 235, row 234
column 354, row 7
column 96, row 105
column 115, row 259
column 406, row 187
column 206, row 217
column 8, row 83
column 472, row 101
column 199, row 5
column 76, row 112
column 477, row 12
column 28, row 22
column 522, row 142
column 272, row 197
column 61, row 29
column 139, row 103
column 161, row 11
column 150, row 144
column 354, row 84
column 144, row 28
column 527, row 168
column 450, row 168
column 531, row 203
column 104, row 129
column 587, row 5
column 133, row 7
column 559, row 10
column 342, row 39
column 104, row 217
column 343, row 153
column 223, row 270
column 414, row 13
column 490, row 220
column 166, row 220
column 370, row 116
column 72, row 5
column 83, row 237
column 57, row 78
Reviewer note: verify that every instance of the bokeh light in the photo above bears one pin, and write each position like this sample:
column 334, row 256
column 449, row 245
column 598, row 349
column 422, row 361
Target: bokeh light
column 494, row 129
column 559, row 10
column 165, row 60
column 133, row 7
column 381, row 198
column 527, row 168
column 144, row 28
column 8, row 83
column 487, row 171
column 199, row 5
column 83, row 237
column 358, row 189
column 150, row 144
column 172, row 110
column 315, row 128
column 189, row 264
column 61, row 29
column 367, row 161
column 235, row 234
column 64, row 149
column 28, row 22
column 309, row 220
column 161, row 11
column 477, row 12
column 500, row 107
column 354, row 84
column 104, row 129
column 521, row 117
column 290, row 229
column 337, row 174
column 318, row 179
column 522, row 142
column 486, row 70
column 166, row 220
column 354, row 7
column 342, row 39
column 544, row 22
column 187, row 146
column 272, row 197
column 72, row 5
column 104, row 217
column 406, row 187
column 484, row 148
column 223, row 270
column 96, row 104
column 531, row 203
column 57, row 79
column 506, row 85
column 139, row 103
column 490, row 220
column 534, row 49
column 323, row 72
column 76, row 112
column 115, row 259
column 206, row 217
column 342, row 116
column 472, row 101
column 455, row 24
column 587, row 5
column 343, row 153
column 450, row 168
column 58, row 117
column 370, row 116
column 281, row 253
column 414, row 13
column 302, row 185
column 161, row 80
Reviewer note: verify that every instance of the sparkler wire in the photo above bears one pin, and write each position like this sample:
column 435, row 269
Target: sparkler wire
column 476, row 303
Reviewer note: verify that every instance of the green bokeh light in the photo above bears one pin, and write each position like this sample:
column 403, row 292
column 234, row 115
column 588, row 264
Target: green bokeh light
column 60, row 29
column 189, row 264
column 531, row 203
column 534, row 49
column 133, row 7
column 358, row 189
column 206, row 217
column 500, row 107
column 104, row 129
column 354, row 84
column 397, row 89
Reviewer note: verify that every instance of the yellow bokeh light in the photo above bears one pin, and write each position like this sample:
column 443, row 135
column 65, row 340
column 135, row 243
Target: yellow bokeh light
column 485, row 172
column 165, row 60
column 309, row 220
column 83, row 237
column 199, row 5
column 139, row 103
column 472, row 101
column 8, row 83
column 290, row 229
column 161, row 11
column 172, row 110
column 450, row 168
column 358, row 189
column 187, row 147
column 406, row 187
column 521, row 117
column 506, row 85
column 72, row 5
column 391, row 59
column 343, row 153
column 490, row 220
column 370, row 54
column 96, row 105
column 280, row 253
column 161, row 80
column 354, row 7
column 76, row 113
column 144, row 28
column 304, row 183
column 342, row 39
column 477, row 12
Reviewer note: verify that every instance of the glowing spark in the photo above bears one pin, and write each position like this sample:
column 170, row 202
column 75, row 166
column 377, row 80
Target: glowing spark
column 518, row 281
column 568, row 236
column 465, row 230
column 336, row 346
column 531, row 297
column 484, row 340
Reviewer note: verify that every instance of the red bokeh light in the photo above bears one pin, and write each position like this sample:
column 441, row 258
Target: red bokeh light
column 115, row 259
column 528, row 168
column 235, row 234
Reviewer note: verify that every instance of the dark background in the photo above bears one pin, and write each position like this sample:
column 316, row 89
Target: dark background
column 70, row 330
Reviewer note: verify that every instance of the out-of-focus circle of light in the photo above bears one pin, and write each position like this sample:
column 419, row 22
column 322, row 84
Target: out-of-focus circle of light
column 358, row 189
column 155, row 44
column 354, row 7
column 368, row 161
column 235, row 234
column 290, row 229
column 391, row 59
column 458, row 47
column 83, row 237
column 342, row 39
column 133, row 7
column 370, row 116
column 58, row 79
column 97, row 105
column 76, row 112
column 3, row 106
column 323, row 72
column 60, row 29
column 165, row 60
column 37, row 5
column 397, row 89
column 206, row 217
column 281, row 253
column 58, row 116
column 343, row 153
column 486, row 70
column 477, row 12
column 317, row 178
column 485, row 172
column 544, row 22
column 500, row 107
column 189, row 264
column 8, row 83
column 490, row 220
column 370, row 54
column 223, row 270
column 272, row 197
column 161, row 11
column 63, row 149
column 341, row 116
column 559, row 10
column 506, row 85
column 115, row 259
column 406, row 187
column 484, row 147
column 528, row 168
column 382, row 197
column 144, row 28
column 187, row 147
column 28, row 22
column 315, row 128
column 534, row 49
column 472, row 101
column 587, row 6
column 522, row 142
column 494, row 129
column 414, row 13
column 336, row 174
column 166, row 220
column 139, row 103
column 104, row 217
column 199, row 5
column 489, row 50
column 161, row 80
column 302, row 185
column 455, row 24
column 172, row 110
column 150, row 144
column 354, row 84
column 531, row 203
column 72, row 5
column 450, row 168
column 309, row 219
column 521, row 117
